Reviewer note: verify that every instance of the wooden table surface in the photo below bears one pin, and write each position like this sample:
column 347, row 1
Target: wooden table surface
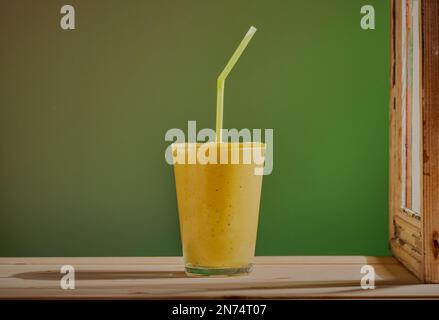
column 158, row 278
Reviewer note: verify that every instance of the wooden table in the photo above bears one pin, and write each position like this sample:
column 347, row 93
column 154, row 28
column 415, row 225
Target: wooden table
column 156, row 278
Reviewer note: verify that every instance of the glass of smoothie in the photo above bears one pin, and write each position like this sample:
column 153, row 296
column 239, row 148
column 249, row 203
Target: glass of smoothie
column 218, row 199
column 218, row 207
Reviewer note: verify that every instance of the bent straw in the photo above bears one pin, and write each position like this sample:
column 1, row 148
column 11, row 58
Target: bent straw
column 222, row 78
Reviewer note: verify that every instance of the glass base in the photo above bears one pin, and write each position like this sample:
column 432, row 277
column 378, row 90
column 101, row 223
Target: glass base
column 211, row 272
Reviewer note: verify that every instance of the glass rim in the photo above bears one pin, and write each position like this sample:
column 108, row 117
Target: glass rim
column 230, row 145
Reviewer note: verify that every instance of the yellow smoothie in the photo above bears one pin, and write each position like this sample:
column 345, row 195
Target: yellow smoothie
column 218, row 209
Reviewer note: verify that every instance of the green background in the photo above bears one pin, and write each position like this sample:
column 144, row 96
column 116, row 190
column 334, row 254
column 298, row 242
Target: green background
column 84, row 113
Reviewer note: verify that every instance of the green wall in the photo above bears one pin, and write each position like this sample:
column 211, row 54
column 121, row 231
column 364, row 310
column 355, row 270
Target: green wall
column 83, row 115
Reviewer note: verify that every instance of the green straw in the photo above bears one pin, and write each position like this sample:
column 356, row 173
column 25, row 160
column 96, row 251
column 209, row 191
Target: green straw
column 222, row 79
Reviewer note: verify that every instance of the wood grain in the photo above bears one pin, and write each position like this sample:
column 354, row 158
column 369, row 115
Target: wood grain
column 395, row 118
column 155, row 278
column 430, row 72
column 404, row 229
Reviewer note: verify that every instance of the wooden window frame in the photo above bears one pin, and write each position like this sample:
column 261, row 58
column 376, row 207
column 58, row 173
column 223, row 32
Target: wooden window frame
column 414, row 238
